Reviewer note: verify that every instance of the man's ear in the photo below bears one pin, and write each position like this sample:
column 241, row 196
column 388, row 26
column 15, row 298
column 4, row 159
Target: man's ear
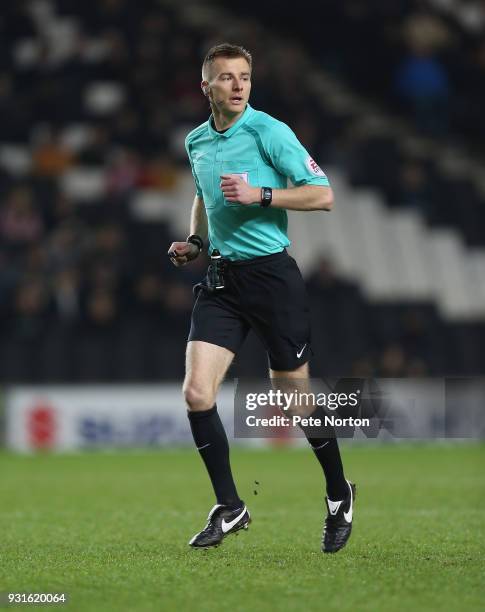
column 205, row 88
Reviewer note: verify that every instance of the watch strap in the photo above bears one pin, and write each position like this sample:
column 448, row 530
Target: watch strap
column 197, row 240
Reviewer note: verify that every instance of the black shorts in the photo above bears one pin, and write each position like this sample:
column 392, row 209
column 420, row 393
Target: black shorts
column 267, row 294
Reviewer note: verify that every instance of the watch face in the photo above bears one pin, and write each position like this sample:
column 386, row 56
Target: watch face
column 266, row 196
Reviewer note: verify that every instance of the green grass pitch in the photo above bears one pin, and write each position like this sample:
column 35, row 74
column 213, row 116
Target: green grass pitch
column 111, row 530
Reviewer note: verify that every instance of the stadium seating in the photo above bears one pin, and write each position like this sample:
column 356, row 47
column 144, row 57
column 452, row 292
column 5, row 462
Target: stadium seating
column 94, row 186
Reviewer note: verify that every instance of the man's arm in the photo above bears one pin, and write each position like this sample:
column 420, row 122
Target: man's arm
column 186, row 251
column 305, row 197
column 289, row 157
column 198, row 219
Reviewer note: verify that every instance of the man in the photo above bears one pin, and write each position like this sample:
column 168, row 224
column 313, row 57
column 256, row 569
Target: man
column 241, row 159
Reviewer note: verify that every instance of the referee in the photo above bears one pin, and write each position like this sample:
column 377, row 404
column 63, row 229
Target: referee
column 241, row 160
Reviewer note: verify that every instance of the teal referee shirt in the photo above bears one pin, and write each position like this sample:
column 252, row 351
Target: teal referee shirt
column 266, row 153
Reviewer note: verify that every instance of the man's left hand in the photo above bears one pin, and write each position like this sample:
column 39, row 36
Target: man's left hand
column 235, row 189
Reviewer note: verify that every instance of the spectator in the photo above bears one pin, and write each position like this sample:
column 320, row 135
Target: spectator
column 20, row 222
column 422, row 79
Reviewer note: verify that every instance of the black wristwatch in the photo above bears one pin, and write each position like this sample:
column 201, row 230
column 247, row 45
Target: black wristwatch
column 197, row 240
column 266, row 196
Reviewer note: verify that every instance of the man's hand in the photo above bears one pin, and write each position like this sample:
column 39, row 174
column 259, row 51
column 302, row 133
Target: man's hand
column 181, row 253
column 235, row 189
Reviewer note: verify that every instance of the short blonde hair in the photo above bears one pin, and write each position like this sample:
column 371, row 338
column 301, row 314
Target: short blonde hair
column 225, row 50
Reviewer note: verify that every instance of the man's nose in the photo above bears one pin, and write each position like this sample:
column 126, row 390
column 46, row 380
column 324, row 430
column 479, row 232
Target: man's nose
column 237, row 85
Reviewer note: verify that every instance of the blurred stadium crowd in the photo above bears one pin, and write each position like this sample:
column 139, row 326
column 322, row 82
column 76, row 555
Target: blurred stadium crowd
column 96, row 99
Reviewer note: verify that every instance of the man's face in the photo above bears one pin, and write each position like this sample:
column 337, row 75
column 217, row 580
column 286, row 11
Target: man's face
column 229, row 84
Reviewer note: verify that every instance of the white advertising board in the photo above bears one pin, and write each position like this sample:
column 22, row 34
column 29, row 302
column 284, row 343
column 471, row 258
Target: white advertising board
column 63, row 418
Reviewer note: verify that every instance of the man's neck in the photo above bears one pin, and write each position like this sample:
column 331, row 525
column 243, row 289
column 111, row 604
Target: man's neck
column 224, row 122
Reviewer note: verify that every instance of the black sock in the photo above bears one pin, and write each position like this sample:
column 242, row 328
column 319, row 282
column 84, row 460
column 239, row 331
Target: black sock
column 211, row 441
column 327, row 452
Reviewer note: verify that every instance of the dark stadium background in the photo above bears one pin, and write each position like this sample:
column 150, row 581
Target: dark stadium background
column 86, row 290
column 96, row 98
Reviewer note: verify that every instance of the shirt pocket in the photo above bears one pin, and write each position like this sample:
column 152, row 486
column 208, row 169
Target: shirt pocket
column 246, row 169
column 204, row 174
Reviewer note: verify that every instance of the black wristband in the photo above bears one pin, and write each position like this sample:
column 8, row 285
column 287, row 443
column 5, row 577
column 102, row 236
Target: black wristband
column 266, row 196
column 197, row 240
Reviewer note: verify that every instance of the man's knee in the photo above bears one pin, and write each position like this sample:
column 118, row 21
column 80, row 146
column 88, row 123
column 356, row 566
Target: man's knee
column 198, row 397
column 296, row 385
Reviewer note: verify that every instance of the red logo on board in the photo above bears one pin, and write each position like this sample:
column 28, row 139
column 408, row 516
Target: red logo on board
column 41, row 426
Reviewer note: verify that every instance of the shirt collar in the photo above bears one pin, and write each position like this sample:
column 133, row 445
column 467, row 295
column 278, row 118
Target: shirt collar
column 242, row 119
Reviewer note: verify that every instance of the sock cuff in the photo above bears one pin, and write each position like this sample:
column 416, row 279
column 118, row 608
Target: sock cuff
column 196, row 415
column 236, row 505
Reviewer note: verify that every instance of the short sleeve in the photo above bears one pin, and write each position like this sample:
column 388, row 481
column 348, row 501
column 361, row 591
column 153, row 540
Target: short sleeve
column 290, row 157
column 198, row 189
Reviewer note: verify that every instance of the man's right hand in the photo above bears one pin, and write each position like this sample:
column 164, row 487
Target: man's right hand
column 181, row 253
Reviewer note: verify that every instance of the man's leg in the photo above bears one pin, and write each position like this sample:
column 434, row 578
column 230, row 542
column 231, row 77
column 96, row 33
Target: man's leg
column 206, row 366
column 326, row 449
column 340, row 492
